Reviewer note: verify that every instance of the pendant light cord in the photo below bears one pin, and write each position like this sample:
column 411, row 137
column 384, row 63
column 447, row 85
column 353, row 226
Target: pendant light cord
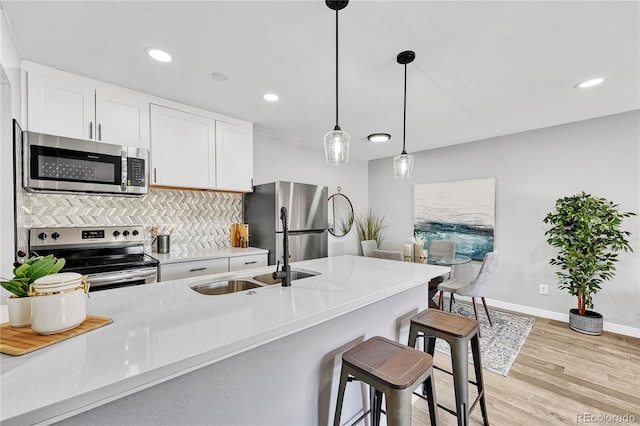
column 337, row 125
column 404, row 120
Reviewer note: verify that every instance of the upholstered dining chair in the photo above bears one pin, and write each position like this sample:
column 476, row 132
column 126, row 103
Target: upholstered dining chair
column 367, row 246
column 478, row 287
column 442, row 249
column 386, row 254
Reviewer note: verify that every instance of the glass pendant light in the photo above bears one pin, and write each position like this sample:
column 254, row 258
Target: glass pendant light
column 403, row 163
column 336, row 142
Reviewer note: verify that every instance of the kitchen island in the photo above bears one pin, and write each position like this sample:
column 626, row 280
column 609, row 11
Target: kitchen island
column 174, row 356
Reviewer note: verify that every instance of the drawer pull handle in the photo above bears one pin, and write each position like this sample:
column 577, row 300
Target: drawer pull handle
column 250, row 263
column 197, row 269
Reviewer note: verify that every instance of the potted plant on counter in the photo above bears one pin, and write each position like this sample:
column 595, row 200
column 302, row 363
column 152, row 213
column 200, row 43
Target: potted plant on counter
column 19, row 304
column 370, row 227
column 586, row 229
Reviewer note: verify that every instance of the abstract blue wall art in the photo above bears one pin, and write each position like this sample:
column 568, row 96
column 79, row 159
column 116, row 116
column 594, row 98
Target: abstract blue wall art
column 462, row 211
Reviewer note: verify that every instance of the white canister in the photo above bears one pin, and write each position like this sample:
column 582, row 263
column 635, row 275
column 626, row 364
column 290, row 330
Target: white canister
column 58, row 303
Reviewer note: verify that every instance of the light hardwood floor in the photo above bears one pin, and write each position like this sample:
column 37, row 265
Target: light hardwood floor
column 560, row 377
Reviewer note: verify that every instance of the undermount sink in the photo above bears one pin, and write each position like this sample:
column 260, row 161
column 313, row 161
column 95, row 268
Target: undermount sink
column 295, row 275
column 235, row 285
column 225, row 287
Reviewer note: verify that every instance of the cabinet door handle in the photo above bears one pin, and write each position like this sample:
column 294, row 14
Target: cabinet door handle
column 91, row 130
column 155, row 176
column 99, row 132
column 197, row 269
column 250, row 263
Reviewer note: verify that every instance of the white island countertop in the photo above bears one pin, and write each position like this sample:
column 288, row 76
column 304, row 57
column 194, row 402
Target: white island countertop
column 164, row 330
column 176, row 256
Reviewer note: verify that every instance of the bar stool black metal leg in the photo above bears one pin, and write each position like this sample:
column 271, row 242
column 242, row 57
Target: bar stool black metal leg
column 430, row 345
column 376, row 406
column 341, row 387
column 429, row 389
column 460, row 361
column 477, row 365
column 413, row 336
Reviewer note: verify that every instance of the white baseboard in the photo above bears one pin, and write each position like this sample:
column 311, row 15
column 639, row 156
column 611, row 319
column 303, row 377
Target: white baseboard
column 614, row 328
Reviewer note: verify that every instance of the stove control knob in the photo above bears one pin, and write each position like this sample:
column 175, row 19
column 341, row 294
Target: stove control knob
column 55, row 235
column 42, row 236
column 116, row 233
column 125, row 233
column 135, row 232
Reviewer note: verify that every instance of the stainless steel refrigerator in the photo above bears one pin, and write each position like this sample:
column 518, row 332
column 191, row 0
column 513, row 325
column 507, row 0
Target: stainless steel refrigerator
column 307, row 207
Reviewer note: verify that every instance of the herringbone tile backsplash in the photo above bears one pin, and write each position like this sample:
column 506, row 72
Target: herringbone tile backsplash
column 201, row 219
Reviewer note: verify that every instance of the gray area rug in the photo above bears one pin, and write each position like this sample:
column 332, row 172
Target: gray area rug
column 500, row 344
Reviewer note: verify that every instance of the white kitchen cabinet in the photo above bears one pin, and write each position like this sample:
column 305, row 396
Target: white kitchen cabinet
column 234, row 155
column 247, row 262
column 183, row 149
column 195, row 268
column 64, row 104
column 122, row 117
column 197, row 151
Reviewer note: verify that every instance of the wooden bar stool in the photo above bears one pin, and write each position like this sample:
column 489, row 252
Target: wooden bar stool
column 457, row 331
column 391, row 369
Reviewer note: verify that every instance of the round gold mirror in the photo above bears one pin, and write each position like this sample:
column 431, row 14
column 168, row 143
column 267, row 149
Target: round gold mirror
column 340, row 214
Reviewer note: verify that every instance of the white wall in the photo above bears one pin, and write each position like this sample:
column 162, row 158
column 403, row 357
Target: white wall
column 9, row 108
column 277, row 160
column 533, row 169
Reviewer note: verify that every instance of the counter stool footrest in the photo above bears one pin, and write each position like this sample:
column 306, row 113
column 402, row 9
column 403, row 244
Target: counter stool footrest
column 361, row 418
column 451, row 374
column 367, row 412
column 447, row 409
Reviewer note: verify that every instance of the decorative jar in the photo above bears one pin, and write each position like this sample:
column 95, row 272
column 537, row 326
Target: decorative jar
column 58, row 302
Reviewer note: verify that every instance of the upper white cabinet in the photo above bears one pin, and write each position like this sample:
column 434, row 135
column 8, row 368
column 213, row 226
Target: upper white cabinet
column 64, row 104
column 183, row 148
column 234, row 155
column 122, row 117
column 192, row 149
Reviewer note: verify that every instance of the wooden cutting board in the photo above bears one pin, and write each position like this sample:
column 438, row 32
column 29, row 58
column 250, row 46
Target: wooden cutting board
column 20, row 341
column 238, row 231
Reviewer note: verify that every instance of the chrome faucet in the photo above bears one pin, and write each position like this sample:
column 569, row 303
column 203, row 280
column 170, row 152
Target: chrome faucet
column 285, row 273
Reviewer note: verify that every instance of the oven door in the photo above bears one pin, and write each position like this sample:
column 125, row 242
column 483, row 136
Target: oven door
column 124, row 278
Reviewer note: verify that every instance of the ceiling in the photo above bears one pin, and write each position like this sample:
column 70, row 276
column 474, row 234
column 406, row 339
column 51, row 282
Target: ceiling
column 482, row 68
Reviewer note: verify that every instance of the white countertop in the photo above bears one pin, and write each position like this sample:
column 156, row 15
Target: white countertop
column 164, row 330
column 176, row 256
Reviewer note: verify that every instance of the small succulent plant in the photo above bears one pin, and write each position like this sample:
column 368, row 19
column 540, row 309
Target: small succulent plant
column 30, row 270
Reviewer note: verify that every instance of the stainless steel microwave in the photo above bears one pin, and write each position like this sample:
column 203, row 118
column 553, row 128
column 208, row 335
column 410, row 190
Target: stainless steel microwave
column 55, row 163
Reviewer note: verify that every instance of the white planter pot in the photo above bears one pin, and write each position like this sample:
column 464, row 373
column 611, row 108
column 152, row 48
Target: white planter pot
column 19, row 310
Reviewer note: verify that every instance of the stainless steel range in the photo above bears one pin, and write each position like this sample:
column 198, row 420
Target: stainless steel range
column 110, row 256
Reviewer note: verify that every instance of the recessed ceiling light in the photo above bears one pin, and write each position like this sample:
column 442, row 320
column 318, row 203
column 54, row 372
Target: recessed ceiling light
column 379, row 137
column 590, row 83
column 158, row 55
column 219, row 76
column 271, row 97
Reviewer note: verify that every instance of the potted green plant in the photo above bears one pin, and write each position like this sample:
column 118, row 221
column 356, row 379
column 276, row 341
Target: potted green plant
column 586, row 230
column 370, row 226
column 25, row 273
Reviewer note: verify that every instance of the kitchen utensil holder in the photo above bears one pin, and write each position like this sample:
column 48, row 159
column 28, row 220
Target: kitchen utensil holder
column 164, row 242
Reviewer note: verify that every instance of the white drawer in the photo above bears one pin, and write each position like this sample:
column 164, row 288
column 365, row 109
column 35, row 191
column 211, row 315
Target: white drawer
column 247, row 262
column 196, row 268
